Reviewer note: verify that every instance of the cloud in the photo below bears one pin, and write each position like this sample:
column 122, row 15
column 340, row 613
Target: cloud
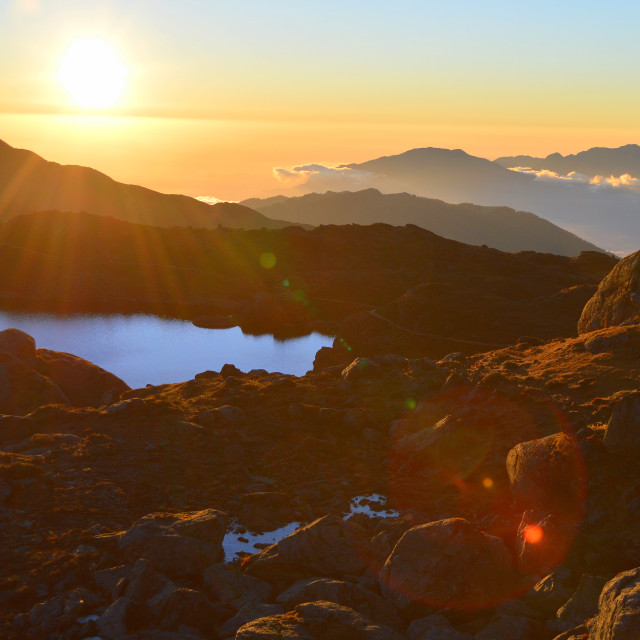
column 625, row 181
column 211, row 199
column 318, row 176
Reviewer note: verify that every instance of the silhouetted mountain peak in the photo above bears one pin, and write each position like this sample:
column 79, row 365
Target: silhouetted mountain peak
column 30, row 183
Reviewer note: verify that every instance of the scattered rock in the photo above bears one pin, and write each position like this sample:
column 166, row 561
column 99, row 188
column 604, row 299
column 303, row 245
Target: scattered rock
column 328, row 547
column 177, row 545
column 618, row 615
column 20, row 345
column 316, row 621
column 82, row 382
column 448, row 563
column 548, row 474
column 359, row 369
column 343, row 593
column 623, row 429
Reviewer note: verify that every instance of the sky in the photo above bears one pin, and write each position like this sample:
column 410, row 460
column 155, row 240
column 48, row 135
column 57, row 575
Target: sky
column 217, row 93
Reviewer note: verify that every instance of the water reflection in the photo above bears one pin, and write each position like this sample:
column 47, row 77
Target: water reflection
column 143, row 349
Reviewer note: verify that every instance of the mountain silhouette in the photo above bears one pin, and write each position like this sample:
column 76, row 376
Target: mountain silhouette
column 498, row 227
column 30, row 183
column 602, row 161
column 605, row 215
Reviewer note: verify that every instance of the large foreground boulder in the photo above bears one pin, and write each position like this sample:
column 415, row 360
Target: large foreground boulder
column 178, row 545
column 448, row 563
column 328, row 547
column 617, row 298
column 23, row 389
column 619, row 609
column 548, row 474
column 83, row 383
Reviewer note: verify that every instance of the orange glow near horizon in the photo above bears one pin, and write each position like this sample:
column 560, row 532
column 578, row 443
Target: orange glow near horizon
column 234, row 159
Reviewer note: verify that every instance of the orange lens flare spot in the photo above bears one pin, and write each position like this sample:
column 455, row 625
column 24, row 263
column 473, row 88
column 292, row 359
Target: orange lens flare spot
column 533, row 534
column 487, row 483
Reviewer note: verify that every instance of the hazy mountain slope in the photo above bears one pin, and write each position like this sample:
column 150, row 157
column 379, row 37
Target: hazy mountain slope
column 30, row 183
column 596, row 161
column 440, row 173
column 604, row 215
column 498, row 227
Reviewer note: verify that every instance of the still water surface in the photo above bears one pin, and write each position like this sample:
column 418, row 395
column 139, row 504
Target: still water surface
column 143, row 349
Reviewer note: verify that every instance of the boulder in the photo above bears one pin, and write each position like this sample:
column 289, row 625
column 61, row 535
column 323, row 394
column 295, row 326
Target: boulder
column 115, row 622
column 141, row 583
column 359, row 369
column 506, row 627
column 343, row 593
column 20, row 345
column 582, row 605
column 449, row 450
column 623, row 429
column 434, row 627
column 617, row 298
column 248, row 613
column 177, row 606
column 23, row 389
column 328, row 547
column 550, row 593
column 618, row 615
column 225, row 416
column 548, row 474
column 82, row 382
column 178, row 545
column 448, row 563
column 316, row 621
column 230, row 370
column 236, row 589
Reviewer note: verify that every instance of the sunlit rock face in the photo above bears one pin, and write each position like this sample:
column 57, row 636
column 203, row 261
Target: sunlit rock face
column 617, row 299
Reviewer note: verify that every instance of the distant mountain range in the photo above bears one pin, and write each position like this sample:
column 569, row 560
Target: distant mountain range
column 498, row 227
column 30, row 183
column 596, row 161
column 606, row 214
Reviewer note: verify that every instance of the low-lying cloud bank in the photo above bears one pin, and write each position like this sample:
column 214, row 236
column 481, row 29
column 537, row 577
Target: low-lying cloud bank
column 320, row 176
column 625, row 181
column 212, row 200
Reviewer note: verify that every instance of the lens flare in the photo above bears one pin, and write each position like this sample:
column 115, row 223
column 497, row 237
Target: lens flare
column 533, row 534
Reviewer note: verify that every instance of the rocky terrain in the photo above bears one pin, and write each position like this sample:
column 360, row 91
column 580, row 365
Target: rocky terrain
column 499, row 496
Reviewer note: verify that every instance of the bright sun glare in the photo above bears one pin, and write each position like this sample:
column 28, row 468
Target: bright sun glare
column 93, row 74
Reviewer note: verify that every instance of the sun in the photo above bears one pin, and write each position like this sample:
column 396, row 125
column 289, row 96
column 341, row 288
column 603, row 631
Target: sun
column 93, row 74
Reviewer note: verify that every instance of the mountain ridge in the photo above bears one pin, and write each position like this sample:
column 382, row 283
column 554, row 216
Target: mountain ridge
column 605, row 161
column 29, row 183
column 499, row 227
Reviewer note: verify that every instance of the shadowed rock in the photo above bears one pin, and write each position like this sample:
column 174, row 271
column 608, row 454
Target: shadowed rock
column 448, row 563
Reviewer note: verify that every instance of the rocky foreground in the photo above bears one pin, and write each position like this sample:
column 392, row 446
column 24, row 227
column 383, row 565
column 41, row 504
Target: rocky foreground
column 511, row 477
